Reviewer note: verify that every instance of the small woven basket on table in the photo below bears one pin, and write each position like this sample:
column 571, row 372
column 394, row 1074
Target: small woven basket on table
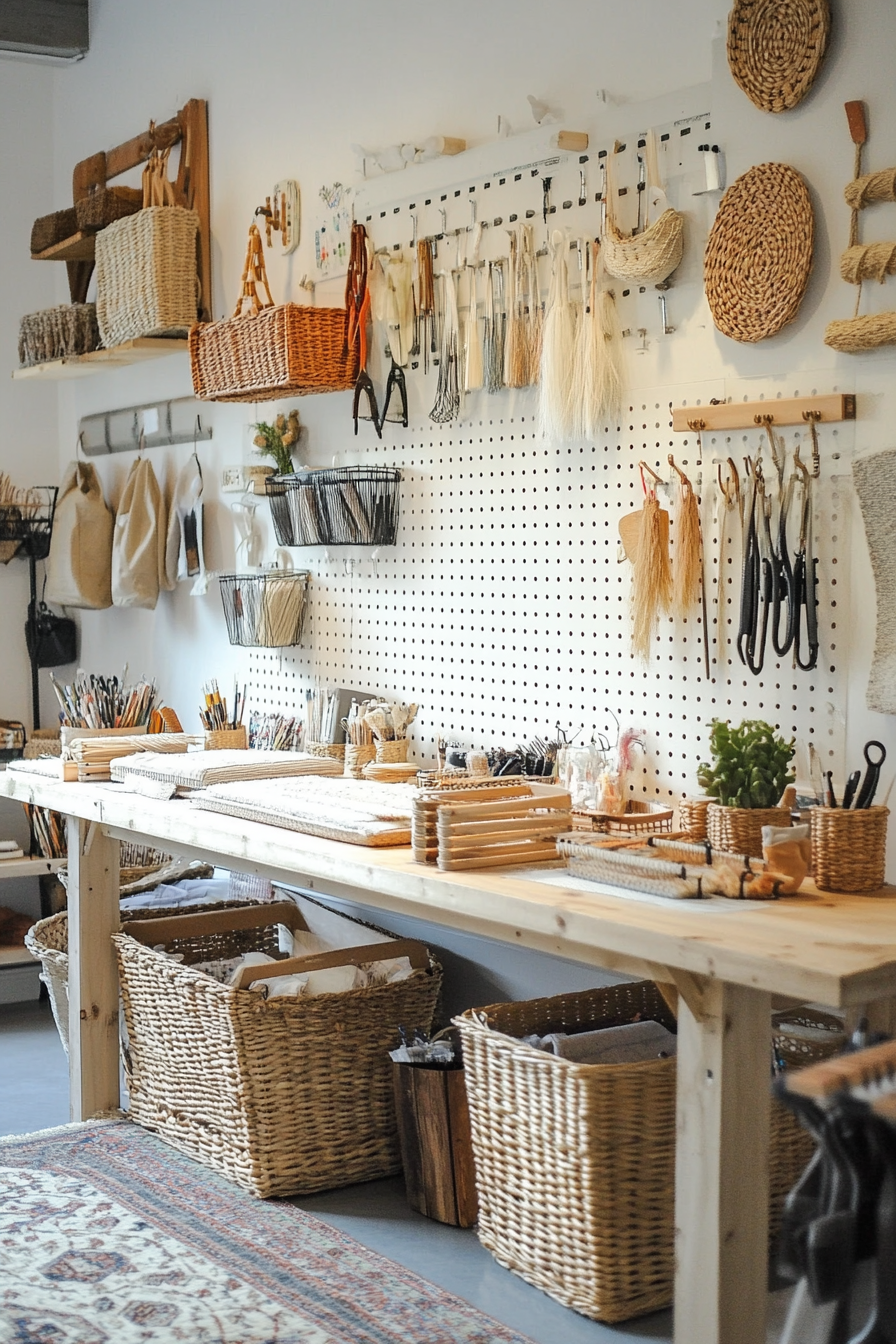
column 759, row 253
column 738, row 830
column 575, row 1163
column 270, row 350
column 775, row 49
column 849, row 847
column 692, row 817
column 284, row 1096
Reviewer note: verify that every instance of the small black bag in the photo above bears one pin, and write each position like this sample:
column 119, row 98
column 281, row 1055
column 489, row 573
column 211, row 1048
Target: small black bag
column 52, row 640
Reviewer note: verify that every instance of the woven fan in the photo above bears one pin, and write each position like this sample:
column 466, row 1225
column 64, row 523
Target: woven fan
column 759, row 253
column 775, row 49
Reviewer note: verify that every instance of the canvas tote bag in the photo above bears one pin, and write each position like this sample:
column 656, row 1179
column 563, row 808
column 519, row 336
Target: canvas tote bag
column 79, row 566
column 138, row 546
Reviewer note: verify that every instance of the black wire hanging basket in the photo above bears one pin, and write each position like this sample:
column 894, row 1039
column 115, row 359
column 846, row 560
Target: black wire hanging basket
column 26, row 522
column 339, row 506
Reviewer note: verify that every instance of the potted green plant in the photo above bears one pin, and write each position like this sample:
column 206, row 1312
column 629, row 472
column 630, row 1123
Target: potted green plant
column 749, row 773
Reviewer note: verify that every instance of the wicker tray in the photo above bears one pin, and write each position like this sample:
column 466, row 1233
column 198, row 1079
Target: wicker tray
column 775, row 50
column 575, row 1163
column 285, row 1096
column 639, row 818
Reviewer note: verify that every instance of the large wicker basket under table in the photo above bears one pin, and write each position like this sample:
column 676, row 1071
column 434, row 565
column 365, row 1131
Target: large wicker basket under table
column 738, row 830
column 575, row 1163
column 284, row 1096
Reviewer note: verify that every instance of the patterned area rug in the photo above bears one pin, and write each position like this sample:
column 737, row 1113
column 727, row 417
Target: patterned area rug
column 108, row 1236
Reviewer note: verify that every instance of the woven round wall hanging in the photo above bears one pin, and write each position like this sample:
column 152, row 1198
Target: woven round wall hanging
column 775, row 48
column 759, row 253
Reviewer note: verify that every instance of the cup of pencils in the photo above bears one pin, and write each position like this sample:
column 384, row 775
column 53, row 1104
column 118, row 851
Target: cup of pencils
column 223, row 731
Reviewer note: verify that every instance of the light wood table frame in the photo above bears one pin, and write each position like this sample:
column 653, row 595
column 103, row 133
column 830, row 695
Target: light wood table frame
column 727, row 965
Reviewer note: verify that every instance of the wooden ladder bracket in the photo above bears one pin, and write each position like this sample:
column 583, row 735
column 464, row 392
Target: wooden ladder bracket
column 189, row 128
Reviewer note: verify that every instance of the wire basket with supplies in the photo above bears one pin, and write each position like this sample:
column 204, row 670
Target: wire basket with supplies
column 26, row 519
column 267, row 609
column 339, row 506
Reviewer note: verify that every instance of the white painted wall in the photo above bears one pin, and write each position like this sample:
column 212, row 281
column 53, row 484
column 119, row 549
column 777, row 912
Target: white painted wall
column 29, row 448
column 291, row 87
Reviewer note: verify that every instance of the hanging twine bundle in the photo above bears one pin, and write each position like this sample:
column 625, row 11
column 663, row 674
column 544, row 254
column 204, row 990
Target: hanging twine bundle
column 775, row 48
column 473, row 351
column 759, row 253
column 534, row 325
column 686, row 572
column 516, row 355
column 612, row 362
column 651, row 578
column 864, row 262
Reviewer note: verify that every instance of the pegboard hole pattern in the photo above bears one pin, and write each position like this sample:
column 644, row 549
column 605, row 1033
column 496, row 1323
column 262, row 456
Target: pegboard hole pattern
column 504, row 610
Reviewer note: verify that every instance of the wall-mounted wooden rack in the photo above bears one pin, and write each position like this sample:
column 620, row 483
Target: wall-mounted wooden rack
column 189, row 126
column 755, row 414
column 100, row 361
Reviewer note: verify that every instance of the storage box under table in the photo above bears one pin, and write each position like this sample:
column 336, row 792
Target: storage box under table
column 575, row 1163
column 286, row 1095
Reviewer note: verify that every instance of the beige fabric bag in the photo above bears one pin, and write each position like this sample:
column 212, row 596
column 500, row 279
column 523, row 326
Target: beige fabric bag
column 138, row 546
column 79, row 566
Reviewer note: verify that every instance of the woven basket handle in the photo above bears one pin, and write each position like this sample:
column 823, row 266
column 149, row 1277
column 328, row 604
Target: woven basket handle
column 254, row 274
column 415, row 951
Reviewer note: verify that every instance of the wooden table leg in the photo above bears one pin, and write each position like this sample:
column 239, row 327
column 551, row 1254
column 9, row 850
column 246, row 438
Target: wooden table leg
column 93, row 917
column 721, row 1167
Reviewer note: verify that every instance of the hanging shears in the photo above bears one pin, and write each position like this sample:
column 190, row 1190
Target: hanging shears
column 756, row 590
column 805, row 579
column 782, row 579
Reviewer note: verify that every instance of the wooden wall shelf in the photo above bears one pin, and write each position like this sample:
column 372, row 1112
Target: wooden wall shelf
column 79, row 247
column 100, row 361
column 753, row 414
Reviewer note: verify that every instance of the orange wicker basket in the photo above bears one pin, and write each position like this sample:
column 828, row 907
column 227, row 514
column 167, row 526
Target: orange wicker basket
column 270, row 350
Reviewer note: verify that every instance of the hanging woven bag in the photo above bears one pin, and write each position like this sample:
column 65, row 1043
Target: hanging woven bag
column 649, row 257
column 266, row 351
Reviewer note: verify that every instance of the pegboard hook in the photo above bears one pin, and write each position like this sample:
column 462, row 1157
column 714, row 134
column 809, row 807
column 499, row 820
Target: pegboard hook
column 679, row 473
column 812, row 418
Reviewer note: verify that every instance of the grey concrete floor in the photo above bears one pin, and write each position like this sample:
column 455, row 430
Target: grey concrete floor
column 34, row 1095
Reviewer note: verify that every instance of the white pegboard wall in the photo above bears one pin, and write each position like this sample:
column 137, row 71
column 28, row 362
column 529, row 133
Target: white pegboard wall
column 503, row 609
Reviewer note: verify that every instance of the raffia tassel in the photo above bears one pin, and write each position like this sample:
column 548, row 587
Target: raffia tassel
column 651, row 579
column 612, row 363
column 687, row 569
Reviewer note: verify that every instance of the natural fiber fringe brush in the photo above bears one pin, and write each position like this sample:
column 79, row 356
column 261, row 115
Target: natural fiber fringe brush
column 558, row 351
column 611, row 361
column 473, row 352
column 687, row 569
column 651, row 580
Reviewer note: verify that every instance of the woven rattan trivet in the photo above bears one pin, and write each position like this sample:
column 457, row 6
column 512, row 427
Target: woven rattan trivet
column 759, row 253
column 775, row 48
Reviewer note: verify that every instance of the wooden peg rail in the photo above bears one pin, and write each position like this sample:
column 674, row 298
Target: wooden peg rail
column 825, row 409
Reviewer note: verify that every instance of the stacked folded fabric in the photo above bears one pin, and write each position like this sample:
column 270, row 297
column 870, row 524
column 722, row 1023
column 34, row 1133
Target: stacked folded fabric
column 199, row 769
column 358, row 811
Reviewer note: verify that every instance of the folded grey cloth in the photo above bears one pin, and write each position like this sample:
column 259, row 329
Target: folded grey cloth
column 630, row 1044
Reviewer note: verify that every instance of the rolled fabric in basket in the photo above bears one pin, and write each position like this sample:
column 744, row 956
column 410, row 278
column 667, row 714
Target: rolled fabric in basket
column 631, row 1043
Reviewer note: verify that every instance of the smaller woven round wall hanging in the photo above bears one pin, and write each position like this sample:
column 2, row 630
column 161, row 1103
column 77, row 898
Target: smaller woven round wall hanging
column 775, row 49
column 759, row 253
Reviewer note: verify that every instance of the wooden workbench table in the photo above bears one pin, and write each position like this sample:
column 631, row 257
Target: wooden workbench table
column 727, row 963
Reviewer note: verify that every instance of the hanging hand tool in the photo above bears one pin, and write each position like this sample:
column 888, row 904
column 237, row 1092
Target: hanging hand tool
column 546, row 198
column 830, row 797
column 782, row 581
column 852, row 784
column 756, row 592
column 805, row 580
column 872, row 774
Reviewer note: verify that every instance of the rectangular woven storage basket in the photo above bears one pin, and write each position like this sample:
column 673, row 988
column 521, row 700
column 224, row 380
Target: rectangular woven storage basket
column 104, row 205
column 287, row 350
column 284, row 1096
column 51, row 229
column 58, row 333
column 575, row 1163
column 146, row 275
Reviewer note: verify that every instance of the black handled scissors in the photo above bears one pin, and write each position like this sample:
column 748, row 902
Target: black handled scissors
column 872, row 774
